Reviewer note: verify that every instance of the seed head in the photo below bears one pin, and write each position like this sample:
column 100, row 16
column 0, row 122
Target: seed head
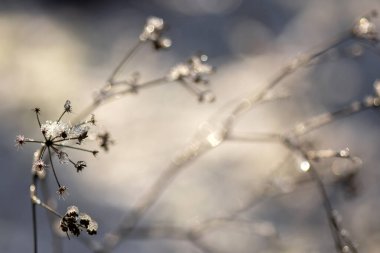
column 92, row 228
column 193, row 74
column 364, row 28
column 153, row 30
column 72, row 211
column 76, row 222
column 80, row 165
column 104, row 140
column 20, row 141
column 67, row 106
column 39, row 165
column 62, row 191
column 37, row 110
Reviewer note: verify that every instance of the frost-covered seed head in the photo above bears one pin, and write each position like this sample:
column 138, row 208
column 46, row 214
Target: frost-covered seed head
column 92, row 228
column 20, row 140
column 364, row 28
column 194, row 70
column 63, row 157
column 84, row 219
column 72, row 211
column 153, row 30
column 67, row 106
column 39, row 165
column 80, row 165
column 62, row 191
column 53, row 128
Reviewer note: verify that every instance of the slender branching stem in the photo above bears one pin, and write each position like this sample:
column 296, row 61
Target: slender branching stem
column 147, row 84
column 71, row 147
column 130, row 89
column 123, row 62
column 146, row 202
column 248, row 102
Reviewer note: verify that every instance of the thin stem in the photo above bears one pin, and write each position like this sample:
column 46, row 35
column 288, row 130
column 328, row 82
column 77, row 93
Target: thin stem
column 286, row 71
column 326, row 118
column 47, row 207
column 335, row 228
column 52, row 166
column 130, row 222
column 34, row 215
column 38, row 119
column 328, row 209
column 254, row 137
column 81, row 149
column 127, row 56
column 57, row 246
column 130, row 89
column 196, row 90
column 60, row 117
column 333, row 223
column 33, row 141
column 147, row 84
column 67, row 139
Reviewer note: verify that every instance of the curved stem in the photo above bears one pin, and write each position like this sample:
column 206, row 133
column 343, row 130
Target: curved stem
column 52, row 166
column 123, row 62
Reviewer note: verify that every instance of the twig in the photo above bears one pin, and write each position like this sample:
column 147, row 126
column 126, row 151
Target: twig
column 122, row 63
column 198, row 147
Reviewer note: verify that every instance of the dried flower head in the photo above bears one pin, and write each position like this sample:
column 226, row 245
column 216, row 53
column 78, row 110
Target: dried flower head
column 364, row 28
column 92, row 227
column 153, row 30
column 193, row 74
column 62, row 191
column 57, row 136
column 75, row 222
column 67, row 106
column 104, row 140
column 195, row 70
column 80, row 165
column 39, row 165
column 37, row 110
column 72, row 211
column 84, row 219
column 92, row 120
column 20, row 140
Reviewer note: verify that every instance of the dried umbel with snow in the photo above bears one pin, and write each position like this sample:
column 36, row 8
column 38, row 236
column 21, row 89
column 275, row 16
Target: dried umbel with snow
column 58, row 137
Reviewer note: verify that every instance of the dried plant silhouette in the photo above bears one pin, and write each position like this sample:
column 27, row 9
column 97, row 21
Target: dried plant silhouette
column 58, row 137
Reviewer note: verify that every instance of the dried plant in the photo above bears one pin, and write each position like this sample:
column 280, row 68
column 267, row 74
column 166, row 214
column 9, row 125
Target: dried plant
column 58, row 137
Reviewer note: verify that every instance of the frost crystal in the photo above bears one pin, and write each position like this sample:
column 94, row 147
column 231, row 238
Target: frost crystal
column 39, row 165
column 365, row 29
column 54, row 128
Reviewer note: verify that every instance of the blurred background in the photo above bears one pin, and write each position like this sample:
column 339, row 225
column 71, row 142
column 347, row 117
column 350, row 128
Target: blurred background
column 51, row 51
